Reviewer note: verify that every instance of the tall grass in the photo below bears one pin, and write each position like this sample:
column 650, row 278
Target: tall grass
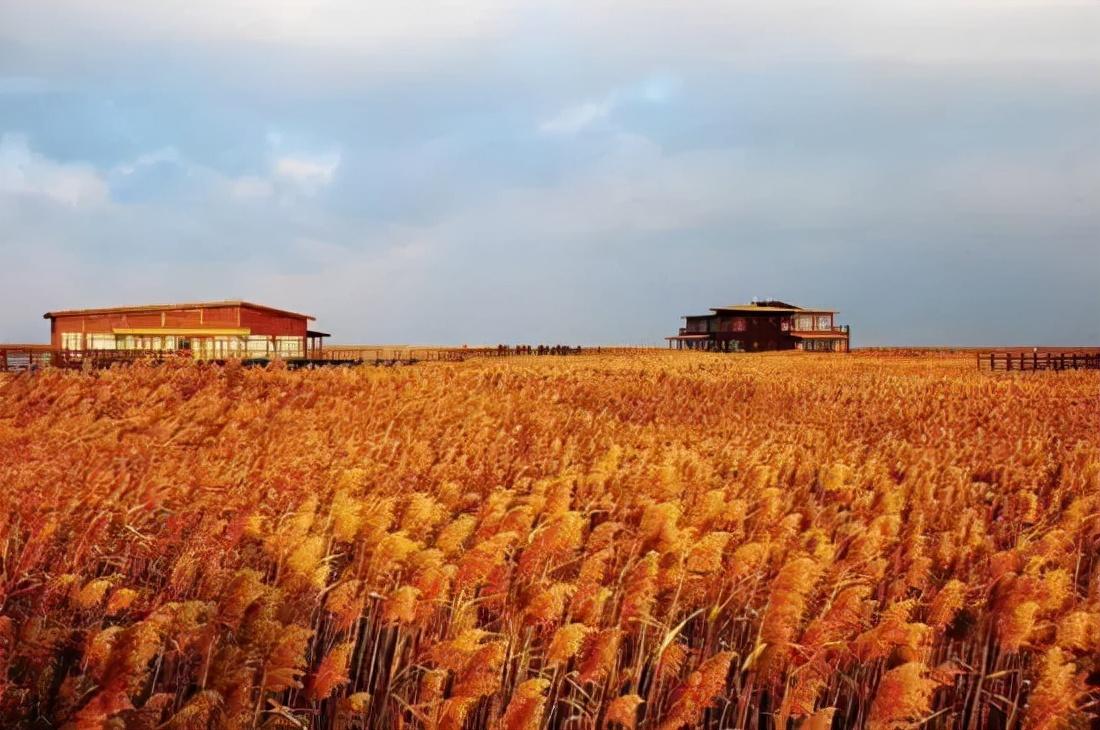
column 666, row 541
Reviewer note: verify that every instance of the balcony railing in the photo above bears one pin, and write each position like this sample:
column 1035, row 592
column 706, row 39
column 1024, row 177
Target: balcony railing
column 840, row 329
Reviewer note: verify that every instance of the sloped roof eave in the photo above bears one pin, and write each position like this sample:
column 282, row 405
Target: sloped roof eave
column 170, row 307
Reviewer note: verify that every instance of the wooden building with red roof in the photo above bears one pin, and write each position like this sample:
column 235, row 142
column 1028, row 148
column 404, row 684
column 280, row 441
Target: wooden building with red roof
column 206, row 330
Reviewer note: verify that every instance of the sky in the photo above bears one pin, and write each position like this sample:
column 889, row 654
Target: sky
column 580, row 172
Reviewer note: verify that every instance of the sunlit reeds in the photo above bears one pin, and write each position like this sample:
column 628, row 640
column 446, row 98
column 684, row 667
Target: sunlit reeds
column 647, row 542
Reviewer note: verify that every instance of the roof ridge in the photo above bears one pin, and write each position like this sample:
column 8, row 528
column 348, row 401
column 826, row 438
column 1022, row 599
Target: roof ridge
column 179, row 305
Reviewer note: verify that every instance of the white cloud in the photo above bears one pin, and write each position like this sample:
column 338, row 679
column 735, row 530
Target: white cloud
column 308, row 173
column 575, row 118
column 317, row 23
column 289, row 175
column 25, row 172
column 251, row 187
column 656, row 89
column 166, row 155
column 318, row 46
column 908, row 31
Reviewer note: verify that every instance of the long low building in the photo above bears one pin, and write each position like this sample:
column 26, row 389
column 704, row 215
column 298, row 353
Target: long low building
column 760, row 326
column 207, row 330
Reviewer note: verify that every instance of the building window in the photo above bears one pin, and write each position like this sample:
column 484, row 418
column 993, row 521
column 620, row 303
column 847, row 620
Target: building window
column 738, row 324
column 147, row 343
column 258, row 345
column 223, row 347
column 101, row 342
column 151, row 343
column 289, row 346
column 821, row 345
column 71, row 341
column 804, row 323
column 824, row 322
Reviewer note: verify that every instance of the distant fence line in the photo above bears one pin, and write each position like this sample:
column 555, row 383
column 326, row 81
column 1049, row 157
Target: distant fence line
column 1039, row 359
column 15, row 358
column 457, row 354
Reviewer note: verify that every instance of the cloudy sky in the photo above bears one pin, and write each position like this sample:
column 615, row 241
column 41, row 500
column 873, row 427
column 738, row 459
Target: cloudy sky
column 578, row 171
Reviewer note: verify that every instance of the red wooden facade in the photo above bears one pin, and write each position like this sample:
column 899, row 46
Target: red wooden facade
column 762, row 326
column 208, row 330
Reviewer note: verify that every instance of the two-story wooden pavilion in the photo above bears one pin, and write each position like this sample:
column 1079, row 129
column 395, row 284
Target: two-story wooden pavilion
column 207, row 330
column 760, row 326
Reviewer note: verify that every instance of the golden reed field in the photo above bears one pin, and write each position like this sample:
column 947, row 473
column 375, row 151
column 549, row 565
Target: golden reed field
column 665, row 541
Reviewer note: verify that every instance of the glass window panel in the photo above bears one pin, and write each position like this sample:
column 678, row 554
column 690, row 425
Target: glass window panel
column 258, row 345
column 289, row 346
column 101, row 342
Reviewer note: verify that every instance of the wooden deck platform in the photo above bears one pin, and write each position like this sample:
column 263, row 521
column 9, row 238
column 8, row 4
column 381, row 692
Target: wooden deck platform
column 18, row 358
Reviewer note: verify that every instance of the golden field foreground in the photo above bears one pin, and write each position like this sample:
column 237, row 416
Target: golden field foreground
column 665, row 541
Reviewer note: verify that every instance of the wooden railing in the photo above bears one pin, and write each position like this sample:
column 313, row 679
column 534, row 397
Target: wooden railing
column 382, row 355
column 14, row 358
column 458, row 354
column 554, row 351
column 1033, row 360
column 840, row 329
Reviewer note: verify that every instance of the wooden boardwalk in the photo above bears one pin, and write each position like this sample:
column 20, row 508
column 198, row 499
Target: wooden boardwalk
column 14, row 358
column 1035, row 359
column 17, row 358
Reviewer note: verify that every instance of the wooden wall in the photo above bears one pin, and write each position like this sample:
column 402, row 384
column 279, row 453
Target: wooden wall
column 260, row 321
